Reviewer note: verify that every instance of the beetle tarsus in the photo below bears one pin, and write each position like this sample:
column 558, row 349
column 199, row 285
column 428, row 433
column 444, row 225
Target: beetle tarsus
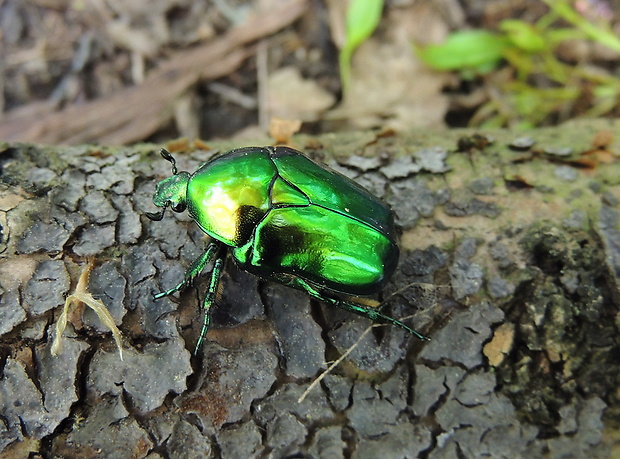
column 168, row 157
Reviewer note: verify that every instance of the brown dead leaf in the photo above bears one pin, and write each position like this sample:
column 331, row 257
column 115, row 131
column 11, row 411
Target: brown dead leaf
column 176, row 145
column 600, row 152
column 602, row 139
column 17, row 271
column 501, row 343
column 290, row 96
column 390, row 87
column 282, row 130
column 597, row 157
column 10, row 198
column 606, row 157
column 336, row 13
column 200, row 144
column 584, row 163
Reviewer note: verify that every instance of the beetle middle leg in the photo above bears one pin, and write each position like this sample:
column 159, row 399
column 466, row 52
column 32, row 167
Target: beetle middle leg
column 209, row 299
column 194, row 269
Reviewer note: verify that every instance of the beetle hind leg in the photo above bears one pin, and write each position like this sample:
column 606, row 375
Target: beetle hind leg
column 194, row 269
column 374, row 315
column 366, row 311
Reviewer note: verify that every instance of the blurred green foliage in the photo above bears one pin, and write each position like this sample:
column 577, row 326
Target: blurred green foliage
column 362, row 19
column 535, row 87
column 471, row 52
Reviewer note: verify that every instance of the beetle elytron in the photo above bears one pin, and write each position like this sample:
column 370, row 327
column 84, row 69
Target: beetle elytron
column 284, row 217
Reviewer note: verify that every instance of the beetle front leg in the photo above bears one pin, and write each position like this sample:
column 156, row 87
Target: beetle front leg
column 216, row 273
column 194, row 269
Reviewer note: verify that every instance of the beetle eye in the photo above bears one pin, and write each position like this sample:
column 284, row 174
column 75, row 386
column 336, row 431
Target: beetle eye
column 179, row 207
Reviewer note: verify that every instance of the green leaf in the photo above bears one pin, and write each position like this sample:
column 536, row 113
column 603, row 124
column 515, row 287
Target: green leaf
column 601, row 33
column 362, row 19
column 478, row 50
column 523, row 35
column 560, row 34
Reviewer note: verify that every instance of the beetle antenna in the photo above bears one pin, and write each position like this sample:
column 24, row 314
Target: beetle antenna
column 168, row 157
column 156, row 216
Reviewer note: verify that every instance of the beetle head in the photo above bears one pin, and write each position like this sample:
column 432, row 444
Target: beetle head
column 171, row 191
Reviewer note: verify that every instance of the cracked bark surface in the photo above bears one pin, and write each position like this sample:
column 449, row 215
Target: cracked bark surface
column 510, row 263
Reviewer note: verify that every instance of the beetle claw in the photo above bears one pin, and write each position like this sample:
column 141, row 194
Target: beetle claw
column 156, row 216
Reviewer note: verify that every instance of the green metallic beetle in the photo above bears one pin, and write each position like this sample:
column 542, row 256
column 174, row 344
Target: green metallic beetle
column 284, row 217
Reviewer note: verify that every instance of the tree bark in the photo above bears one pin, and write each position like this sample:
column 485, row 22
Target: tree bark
column 510, row 258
